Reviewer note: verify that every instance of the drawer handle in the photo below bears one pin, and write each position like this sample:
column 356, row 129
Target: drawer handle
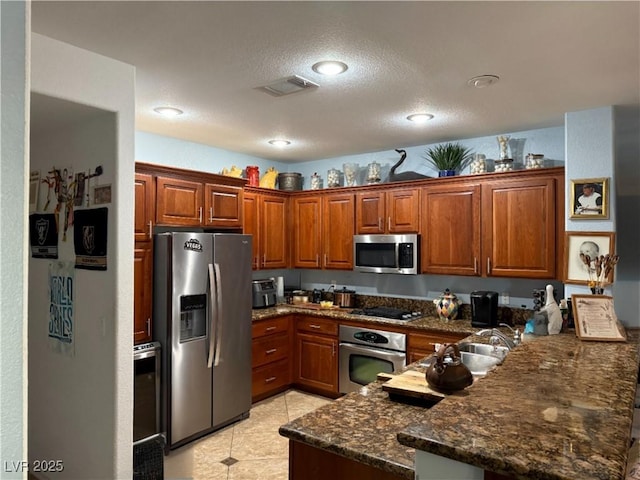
column 270, row 379
column 269, row 329
column 317, row 327
column 270, row 351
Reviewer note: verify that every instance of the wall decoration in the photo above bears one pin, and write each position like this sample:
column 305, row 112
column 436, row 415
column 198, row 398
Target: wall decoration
column 399, row 177
column 43, row 235
column 595, row 318
column 101, row 194
column 61, row 286
column 90, row 238
column 593, row 244
column 589, row 199
column 34, row 190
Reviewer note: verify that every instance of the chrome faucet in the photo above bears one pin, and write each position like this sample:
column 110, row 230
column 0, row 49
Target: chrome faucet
column 517, row 336
column 496, row 337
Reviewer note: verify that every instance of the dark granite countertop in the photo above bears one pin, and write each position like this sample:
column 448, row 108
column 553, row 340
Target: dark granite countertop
column 557, row 408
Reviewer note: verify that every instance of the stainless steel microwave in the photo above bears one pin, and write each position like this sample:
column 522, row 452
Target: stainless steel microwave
column 386, row 254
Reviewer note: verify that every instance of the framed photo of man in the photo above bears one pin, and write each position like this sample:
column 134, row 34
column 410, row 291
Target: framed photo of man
column 591, row 244
column 589, row 199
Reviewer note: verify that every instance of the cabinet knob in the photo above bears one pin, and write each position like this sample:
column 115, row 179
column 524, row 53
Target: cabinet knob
column 150, row 229
column 271, row 351
column 270, row 379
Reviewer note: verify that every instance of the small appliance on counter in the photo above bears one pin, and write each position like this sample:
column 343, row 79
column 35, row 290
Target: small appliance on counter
column 264, row 293
column 484, row 308
column 344, row 298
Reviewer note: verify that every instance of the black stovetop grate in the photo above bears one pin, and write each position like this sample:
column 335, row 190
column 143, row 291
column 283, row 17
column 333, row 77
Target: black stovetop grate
column 387, row 312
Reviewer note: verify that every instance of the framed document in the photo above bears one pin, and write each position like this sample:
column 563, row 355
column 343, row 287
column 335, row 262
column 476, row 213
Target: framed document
column 595, row 318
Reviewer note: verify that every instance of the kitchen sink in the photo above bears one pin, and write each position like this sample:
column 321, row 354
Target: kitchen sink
column 479, row 364
column 484, row 349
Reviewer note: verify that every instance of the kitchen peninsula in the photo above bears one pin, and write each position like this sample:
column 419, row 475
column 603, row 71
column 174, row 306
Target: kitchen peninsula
column 557, row 408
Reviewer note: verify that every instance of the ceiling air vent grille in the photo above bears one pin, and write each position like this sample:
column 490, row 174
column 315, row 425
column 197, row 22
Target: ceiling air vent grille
column 288, row 86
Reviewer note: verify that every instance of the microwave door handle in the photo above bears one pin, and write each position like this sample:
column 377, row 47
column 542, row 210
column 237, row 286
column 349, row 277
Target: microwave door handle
column 212, row 316
column 218, row 305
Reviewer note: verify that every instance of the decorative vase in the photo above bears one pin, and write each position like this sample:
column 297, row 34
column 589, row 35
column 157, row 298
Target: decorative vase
column 316, row 181
column 253, row 175
column 373, row 173
column 350, row 174
column 333, row 178
column 446, row 173
column 447, row 305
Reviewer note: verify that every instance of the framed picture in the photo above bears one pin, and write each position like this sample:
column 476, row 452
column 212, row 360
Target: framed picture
column 595, row 318
column 589, row 243
column 589, row 199
column 101, row 194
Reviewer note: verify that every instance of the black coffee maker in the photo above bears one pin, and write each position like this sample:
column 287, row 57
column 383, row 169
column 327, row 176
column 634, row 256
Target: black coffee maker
column 484, row 309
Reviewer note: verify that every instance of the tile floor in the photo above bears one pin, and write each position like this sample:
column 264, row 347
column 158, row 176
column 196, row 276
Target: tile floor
column 248, row 450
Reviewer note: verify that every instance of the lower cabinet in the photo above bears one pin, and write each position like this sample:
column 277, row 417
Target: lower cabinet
column 316, row 359
column 271, row 354
column 420, row 345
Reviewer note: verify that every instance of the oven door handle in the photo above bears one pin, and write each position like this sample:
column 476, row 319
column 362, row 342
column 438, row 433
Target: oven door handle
column 372, row 351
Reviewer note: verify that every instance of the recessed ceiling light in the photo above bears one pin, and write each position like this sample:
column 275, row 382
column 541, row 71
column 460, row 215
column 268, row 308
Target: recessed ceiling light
column 482, row 81
column 168, row 111
column 279, row 143
column 420, row 117
column 329, row 67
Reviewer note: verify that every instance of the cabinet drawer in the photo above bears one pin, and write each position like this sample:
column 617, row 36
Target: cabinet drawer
column 426, row 342
column 270, row 327
column 269, row 349
column 317, row 325
column 270, row 377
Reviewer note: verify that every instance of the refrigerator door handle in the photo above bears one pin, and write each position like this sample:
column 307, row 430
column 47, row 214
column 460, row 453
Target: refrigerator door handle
column 218, row 315
column 213, row 316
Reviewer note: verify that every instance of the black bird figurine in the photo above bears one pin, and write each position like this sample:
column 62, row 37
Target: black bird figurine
column 399, row 177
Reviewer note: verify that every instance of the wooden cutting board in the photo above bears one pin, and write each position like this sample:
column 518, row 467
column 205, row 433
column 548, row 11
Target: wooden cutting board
column 410, row 385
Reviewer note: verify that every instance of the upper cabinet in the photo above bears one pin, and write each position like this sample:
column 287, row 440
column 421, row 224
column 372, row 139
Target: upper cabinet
column 266, row 219
column 498, row 225
column 385, row 210
column 187, row 198
column 323, row 228
column 144, row 214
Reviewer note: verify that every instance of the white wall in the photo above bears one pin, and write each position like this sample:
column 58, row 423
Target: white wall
column 81, row 406
column 14, row 85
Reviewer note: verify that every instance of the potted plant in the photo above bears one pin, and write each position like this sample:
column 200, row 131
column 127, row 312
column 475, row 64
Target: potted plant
column 448, row 158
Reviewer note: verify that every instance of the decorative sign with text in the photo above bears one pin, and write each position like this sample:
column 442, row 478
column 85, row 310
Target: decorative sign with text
column 61, row 286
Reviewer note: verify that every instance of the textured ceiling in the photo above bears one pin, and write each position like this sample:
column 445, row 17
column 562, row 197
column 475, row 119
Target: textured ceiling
column 209, row 58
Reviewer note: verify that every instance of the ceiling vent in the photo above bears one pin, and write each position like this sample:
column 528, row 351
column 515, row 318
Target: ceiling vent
column 288, row 86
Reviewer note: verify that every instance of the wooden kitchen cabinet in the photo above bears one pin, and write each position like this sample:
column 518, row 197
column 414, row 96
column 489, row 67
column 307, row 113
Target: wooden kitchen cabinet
column 144, row 213
column 142, row 288
column 498, row 225
column 323, row 228
column 316, row 358
column 519, row 227
column 196, row 199
column 266, row 219
column 271, row 356
column 395, row 210
column 420, row 345
column 450, row 243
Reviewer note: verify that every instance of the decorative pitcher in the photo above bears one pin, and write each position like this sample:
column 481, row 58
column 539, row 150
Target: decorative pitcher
column 447, row 305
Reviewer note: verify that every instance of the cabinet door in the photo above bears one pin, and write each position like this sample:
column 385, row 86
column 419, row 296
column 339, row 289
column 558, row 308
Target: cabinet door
column 142, row 287
column 274, row 245
column 518, row 228
column 423, row 345
column 403, row 210
column 338, row 228
column 179, row 202
column 250, row 225
column 307, row 228
column 317, row 362
column 451, row 230
column 223, row 206
column 144, row 202
column 370, row 212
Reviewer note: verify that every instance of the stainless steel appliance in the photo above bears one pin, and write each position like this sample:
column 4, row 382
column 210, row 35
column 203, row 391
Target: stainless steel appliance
column 146, row 390
column 388, row 312
column 484, row 308
column 366, row 352
column 386, row 253
column 264, row 293
column 202, row 315
column 344, row 298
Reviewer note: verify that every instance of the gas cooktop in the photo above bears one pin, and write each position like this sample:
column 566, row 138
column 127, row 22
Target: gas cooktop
column 387, row 312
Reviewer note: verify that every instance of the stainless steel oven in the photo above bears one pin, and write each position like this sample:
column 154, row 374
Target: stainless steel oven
column 146, row 390
column 365, row 352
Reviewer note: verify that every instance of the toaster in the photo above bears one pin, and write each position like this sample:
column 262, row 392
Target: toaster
column 264, row 293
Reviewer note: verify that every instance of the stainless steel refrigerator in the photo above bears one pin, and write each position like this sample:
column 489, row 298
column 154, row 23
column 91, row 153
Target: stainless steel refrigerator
column 202, row 318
